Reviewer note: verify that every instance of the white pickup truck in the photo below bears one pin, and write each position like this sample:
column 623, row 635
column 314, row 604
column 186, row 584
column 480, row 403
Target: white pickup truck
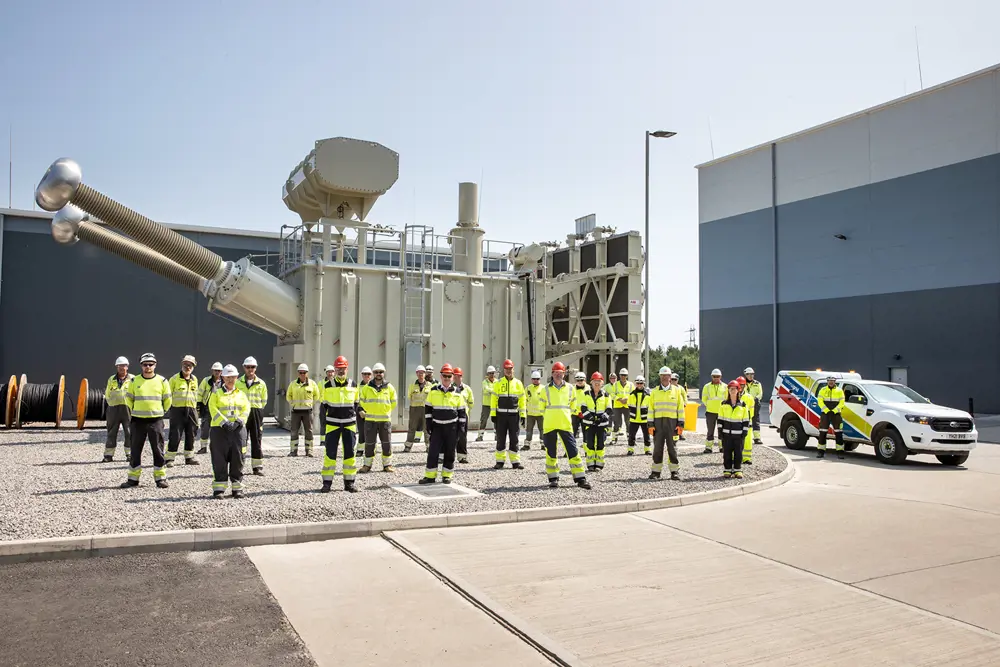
column 891, row 417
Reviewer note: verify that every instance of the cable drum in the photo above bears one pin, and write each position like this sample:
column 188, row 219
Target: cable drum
column 40, row 403
column 90, row 405
column 8, row 394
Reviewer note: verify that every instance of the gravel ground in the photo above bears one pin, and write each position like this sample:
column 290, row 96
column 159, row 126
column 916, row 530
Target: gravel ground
column 53, row 485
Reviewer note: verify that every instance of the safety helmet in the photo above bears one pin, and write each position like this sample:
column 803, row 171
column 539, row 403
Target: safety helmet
column 716, row 372
column 612, row 375
column 446, row 369
column 581, row 376
column 366, row 370
column 190, row 359
column 458, row 371
column 675, row 376
column 536, row 374
column 340, row 362
column 329, row 367
column 217, row 366
column 748, row 371
column 507, row 363
column 303, row 367
column 664, row 370
column 831, row 377
column 623, row 371
column 734, row 383
column 558, row 366
column 490, row 369
column 121, row 361
column 421, row 369
column 428, row 368
column 640, row 380
column 148, row 356
column 249, row 361
column 378, row 367
column 596, row 376
column 230, row 371
column 742, row 382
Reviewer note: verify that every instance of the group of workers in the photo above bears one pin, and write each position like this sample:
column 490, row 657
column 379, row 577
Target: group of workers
column 226, row 409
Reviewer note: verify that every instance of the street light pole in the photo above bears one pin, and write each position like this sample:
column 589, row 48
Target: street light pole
column 659, row 134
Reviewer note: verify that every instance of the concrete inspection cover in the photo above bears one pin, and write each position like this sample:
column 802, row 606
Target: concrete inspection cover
column 436, row 492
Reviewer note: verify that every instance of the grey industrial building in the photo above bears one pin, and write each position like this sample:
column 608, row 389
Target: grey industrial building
column 870, row 243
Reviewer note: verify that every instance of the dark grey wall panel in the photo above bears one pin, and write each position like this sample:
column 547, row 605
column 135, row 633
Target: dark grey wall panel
column 72, row 310
column 734, row 338
column 742, row 244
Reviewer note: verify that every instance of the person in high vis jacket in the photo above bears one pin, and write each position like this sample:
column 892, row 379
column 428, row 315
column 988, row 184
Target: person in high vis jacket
column 117, row 412
column 755, row 389
column 256, row 391
column 462, row 446
column 304, row 397
column 229, row 409
column 535, row 410
column 620, row 392
column 416, row 396
column 443, row 411
column 712, row 394
column 148, row 400
column 429, row 374
column 205, row 389
column 484, row 416
column 183, row 413
column 831, row 405
column 330, row 373
column 508, row 414
column 597, row 411
column 378, row 402
column 675, row 380
column 340, row 426
column 638, row 410
column 559, row 400
column 733, row 424
column 579, row 391
column 665, row 409
column 749, row 401
column 366, row 378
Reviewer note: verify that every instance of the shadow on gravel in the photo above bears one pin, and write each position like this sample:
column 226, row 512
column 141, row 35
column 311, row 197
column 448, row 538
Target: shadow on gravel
column 60, row 464
column 61, row 492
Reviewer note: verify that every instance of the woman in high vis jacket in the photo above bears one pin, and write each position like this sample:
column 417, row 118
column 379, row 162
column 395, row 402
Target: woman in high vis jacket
column 229, row 409
column 596, row 411
column 443, row 412
column 733, row 423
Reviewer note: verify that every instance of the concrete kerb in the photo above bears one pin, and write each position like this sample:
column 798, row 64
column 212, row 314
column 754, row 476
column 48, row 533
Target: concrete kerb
column 201, row 539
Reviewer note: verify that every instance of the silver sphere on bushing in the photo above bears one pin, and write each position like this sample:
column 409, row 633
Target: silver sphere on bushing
column 66, row 224
column 58, row 184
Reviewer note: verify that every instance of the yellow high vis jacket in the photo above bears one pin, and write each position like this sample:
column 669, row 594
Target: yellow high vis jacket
column 665, row 402
column 256, row 391
column 560, row 405
column 470, row 398
column 303, row 395
column 755, row 389
column 596, row 409
column 444, row 407
column 734, row 420
column 148, row 398
column 114, row 392
column 228, row 406
column 183, row 393
column 533, row 400
column 508, row 397
column 712, row 395
column 622, row 390
column 638, row 406
column 578, row 393
column 341, row 402
column 378, row 402
column 831, row 400
column 206, row 388
column 417, row 393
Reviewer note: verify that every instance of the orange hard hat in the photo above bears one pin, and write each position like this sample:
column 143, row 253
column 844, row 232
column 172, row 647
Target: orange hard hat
column 741, row 380
column 341, row 362
column 458, row 371
column 558, row 366
column 596, row 376
column 507, row 363
column 734, row 383
column 446, row 369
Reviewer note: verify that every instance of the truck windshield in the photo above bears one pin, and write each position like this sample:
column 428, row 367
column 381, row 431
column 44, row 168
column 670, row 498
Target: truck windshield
column 894, row 393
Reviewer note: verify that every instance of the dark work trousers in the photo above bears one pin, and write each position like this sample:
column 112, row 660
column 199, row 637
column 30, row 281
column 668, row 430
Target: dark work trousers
column 183, row 421
column 377, row 430
column 711, row 419
column 361, row 437
column 484, row 416
column 227, row 457
column 255, row 431
column 206, row 424
column 443, row 440
column 462, row 440
column 301, row 420
column 331, row 442
column 142, row 429
column 666, row 429
column 732, row 452
column 552, row 439
column 531, row 423
column 593, row 444
column 415, row 428
column 577, row 424
column 118, row 417
column 633, row 429
column 620, row 418
column 826, row 420
column 508, row 428
column 755, row 420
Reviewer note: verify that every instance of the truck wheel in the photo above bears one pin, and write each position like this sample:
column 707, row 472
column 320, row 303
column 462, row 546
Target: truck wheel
column 850, row 446
column 953, row 459
column 793, row 434
column 889, row 447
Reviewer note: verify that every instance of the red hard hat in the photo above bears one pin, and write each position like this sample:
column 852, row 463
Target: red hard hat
column 558, row 366
column 507, row 363
column 734, row 383
column 597, row 376
column 458, row 371
column 446, row 369
column 341, row 362
column 741, row 380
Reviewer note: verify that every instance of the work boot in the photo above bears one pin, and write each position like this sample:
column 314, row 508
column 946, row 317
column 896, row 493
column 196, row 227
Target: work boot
column 553, row 483
column 498, row 466
column 309, row 453
column 407, row 446
column 840, row 454
column 388, row 468
column 647, row 452
column 259, row 472
column 446, row 480
column 217, row 495
column 203, row 450
column 675, row 475
column 591, row 468
column 192, row 462
column 479, row 438
column 820, row 453
column 738, row 475
column 526, row 446
column 726, row 474
column 168, row 464
column 462, row 458
column 758, row 441
column 427, row 480
column 162, row 484
column 294, row 452
column 630, row 453
column 360, row 454
column 237, row 494
column 129, row 483
column 748, row 462
column 654, row 475
column 326, row 488
column 708, row 450
column 516, row 465
column 681, row 438
column 108, row 459
column 366, row 469
column 584, row 484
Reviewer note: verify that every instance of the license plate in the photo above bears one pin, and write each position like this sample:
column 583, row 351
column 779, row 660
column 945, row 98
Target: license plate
column 957, row 436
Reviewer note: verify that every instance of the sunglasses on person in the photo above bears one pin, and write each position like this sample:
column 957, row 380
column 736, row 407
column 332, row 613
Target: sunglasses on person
column 148, row 364
column 446, row 376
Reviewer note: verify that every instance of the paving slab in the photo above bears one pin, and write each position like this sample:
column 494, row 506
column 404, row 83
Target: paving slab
column 361, row 601
column 622, row 590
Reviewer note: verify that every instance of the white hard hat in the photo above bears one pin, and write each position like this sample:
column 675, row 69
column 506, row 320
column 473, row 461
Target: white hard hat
column 217, row 366
column 121, row 361
column 421, row 369
column 148, row 356
column 230, row 371
column 329, row 367
column 378, row 367
column 716, row 371
column 249, row 361
column 639, row 378
column 675, row 376
column 747, row 371
column 664, row 370
column 303, row 367
column 536, row 374
column 623, row 371
column 581, row 376
column 190, row 359
column 490, row 369
column 366, row 370
column 428, row 368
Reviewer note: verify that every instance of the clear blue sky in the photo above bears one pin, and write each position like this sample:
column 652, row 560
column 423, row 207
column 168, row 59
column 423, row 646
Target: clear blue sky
column 195, row 112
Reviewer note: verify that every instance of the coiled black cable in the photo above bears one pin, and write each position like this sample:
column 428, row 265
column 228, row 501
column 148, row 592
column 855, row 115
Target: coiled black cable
column 97, row 407
column 39, row 402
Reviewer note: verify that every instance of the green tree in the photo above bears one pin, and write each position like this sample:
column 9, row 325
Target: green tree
column 681, row 360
